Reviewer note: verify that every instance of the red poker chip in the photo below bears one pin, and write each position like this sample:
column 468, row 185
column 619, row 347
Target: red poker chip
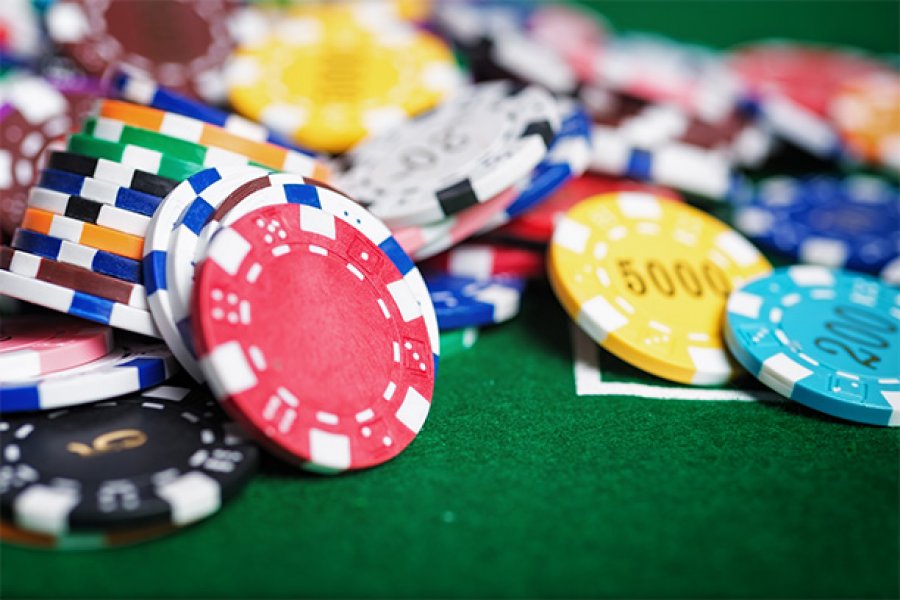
column 807, row 75
column 36, row 112
column 181, row 44
column 310, row 338
column 537, row 225
column 484, row 260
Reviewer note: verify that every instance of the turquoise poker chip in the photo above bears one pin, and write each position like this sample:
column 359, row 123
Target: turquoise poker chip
column 826, row 338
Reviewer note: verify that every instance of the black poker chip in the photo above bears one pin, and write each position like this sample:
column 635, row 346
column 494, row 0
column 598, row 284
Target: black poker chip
column 165, row 456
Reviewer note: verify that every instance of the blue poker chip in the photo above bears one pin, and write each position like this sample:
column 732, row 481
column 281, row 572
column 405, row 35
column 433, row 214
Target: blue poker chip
column 99, row 191
column 826, row 338
column 468, row 302
column 98, row 261
column 135, row 88
column 567, row 157
column 851, row 222
column 131, row 367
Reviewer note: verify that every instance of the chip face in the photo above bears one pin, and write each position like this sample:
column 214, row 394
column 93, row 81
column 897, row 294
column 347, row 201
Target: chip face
column 648, row 279
column 329, row 78
column 333, row 381
column 827, row 338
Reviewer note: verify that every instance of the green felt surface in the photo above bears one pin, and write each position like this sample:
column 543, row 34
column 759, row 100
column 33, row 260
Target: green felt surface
column 518, row 486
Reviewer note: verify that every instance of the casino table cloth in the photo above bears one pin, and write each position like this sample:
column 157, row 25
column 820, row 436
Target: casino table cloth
column 549, row 467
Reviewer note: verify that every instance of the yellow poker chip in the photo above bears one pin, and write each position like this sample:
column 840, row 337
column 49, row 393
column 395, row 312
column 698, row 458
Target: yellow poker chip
column 648, row 279
column 329, row 77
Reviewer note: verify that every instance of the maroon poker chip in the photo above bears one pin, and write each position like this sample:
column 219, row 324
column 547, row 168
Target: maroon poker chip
column 181, row 44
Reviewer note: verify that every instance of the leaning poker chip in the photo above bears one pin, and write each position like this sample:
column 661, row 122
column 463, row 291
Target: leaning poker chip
column 116, row 131
column 78, row 304
column 175, row 463
column 568, row 156
column 479, row 142
column 865, row 113
column 424, row 241
column 204, row 134
column 380, row 71
column 137, row 88
column 88, row 211
column 151, row 161
column 33, row 113
column 98, row 190
column 31, row 346
column 851, row 222
column 648, row 279
column 469, row 302
column 537, row 224
column 88, row 234
column 183, row 252
column 292, row 189
column 825, row 338
column 133, row 366
column 258, row 270
column 112, row 171
column 83, row 540
column 156, row 248
column 180, row 44
column 486, row 260
column 458, row 341
column 73, row 278
column 71, row 253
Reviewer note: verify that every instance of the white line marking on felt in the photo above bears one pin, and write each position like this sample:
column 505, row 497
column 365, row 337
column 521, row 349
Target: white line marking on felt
column 589, row 380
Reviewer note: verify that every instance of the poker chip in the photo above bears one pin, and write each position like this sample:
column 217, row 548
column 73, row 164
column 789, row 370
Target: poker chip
column 100, row 169
column 111, row 130
column 484, row 261
column 81, row 541
column 676, row 165
column 648, row 279
column 131, row 367
column 20, row 29
column 277, row 189
column 156, row 253
column 88, row 211
column 864, row 110
column 145, row 159
column 469, row 302
column 73, row 278
column 88, row 234
column 423, row 241
column 479, row 142
column 257, row 271
column 576, row 35
column 825, row 338
column 379, row 72
column 78, row 304
column 458, row 341
column 851, row 222
column 98, row 190
column 181, row 44
column 200, row 133
column 808, row 76
column 661, row 70
column 31, row 346
column 648, row 125
column 160, row 457
column 33, row 113
column 537, row 224
column 142, row 90
column 71, row 253
column 568, row 156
